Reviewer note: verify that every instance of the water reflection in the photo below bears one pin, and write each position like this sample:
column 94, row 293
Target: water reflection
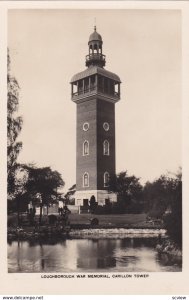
column 93, row 254
column 112, row 255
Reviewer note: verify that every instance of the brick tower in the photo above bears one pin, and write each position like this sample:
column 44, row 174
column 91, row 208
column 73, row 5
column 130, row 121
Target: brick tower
column 95, row 91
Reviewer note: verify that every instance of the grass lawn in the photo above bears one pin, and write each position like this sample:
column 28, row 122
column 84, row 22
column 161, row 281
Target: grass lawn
column 112, row 220
column 105, row 221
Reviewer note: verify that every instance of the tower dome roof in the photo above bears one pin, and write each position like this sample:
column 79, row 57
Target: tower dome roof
column 95, row 36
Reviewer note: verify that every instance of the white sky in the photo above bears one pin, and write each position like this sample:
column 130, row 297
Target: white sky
column 143, row 47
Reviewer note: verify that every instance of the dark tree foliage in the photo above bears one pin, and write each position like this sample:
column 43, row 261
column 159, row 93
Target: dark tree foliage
column 158, row 196
column 129, row 191
column 43, row 181
column 173, row 220
column 163, row 200
column 71, row 190
column 92, row 203
column 14, row 126
column 69, row 195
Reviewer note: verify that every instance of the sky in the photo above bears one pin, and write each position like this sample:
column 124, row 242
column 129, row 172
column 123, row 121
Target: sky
column 143, row 47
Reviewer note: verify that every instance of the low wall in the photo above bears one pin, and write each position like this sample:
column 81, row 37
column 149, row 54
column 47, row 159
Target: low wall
column 116, row 233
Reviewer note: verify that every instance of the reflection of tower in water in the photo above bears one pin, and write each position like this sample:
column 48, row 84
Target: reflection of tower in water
column 97, row 253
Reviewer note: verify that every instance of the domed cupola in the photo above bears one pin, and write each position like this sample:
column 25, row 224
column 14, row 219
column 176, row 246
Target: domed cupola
column 95, row 56
column 95, row 36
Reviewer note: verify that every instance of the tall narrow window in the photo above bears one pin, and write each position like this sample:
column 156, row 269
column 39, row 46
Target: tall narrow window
column 106, row 148
column 95, row 48
column 86, row 179
column 86, row 148
column 106, row 179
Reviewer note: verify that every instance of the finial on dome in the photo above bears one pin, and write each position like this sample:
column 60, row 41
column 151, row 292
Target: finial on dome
column 95, row 36
column 94, row 23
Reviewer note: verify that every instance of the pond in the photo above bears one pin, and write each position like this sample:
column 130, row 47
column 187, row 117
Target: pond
column 89, row 255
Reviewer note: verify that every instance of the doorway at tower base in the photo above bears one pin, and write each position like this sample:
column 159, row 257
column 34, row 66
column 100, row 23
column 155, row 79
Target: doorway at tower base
column 102, row 197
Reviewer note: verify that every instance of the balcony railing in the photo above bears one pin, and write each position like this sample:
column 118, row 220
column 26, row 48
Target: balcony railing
column 96, row 56
column 93, row 90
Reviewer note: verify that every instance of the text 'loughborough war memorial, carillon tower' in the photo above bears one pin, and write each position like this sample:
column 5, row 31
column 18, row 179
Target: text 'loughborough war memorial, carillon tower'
column 95, row 91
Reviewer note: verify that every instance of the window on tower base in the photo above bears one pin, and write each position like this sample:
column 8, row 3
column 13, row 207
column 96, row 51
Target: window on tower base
column 86, row 179
column 106, row 179
column 106, row 148
column 86, row 148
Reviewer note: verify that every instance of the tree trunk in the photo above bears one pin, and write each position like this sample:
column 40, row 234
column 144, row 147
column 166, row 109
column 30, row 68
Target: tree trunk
column 18, row 210
column 40, row 216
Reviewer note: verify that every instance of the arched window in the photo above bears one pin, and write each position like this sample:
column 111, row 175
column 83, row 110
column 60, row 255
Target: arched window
column 86, row 179
column 95, row 48
column 106, row 179
column 86, row 148
column 106, row 148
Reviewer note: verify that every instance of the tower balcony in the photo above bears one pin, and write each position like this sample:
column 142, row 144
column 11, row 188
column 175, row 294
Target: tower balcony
column 83, row 94
column 95, row 59
column 95, row 81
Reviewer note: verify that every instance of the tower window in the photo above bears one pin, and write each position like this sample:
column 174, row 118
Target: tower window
column 106, row 148
column 86, row 148
column 86, row 179
column 106, row 179
column 85, row 126
column 106, row 126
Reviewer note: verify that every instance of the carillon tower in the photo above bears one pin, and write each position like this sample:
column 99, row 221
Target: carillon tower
column 95, row 92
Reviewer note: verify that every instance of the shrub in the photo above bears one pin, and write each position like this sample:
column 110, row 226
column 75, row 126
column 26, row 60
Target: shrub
column 94, row 221
column 12, row 221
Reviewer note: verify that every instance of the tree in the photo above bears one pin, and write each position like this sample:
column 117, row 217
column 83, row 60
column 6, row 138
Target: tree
column 159, row 195
column 69, row 195
column 163, row 199
column 92, row 203
column 128, row 189
column 173, row 220
column 14, row 126
column 42, row 185
column 21, row 177
column 43, row 181
column 155, row 197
